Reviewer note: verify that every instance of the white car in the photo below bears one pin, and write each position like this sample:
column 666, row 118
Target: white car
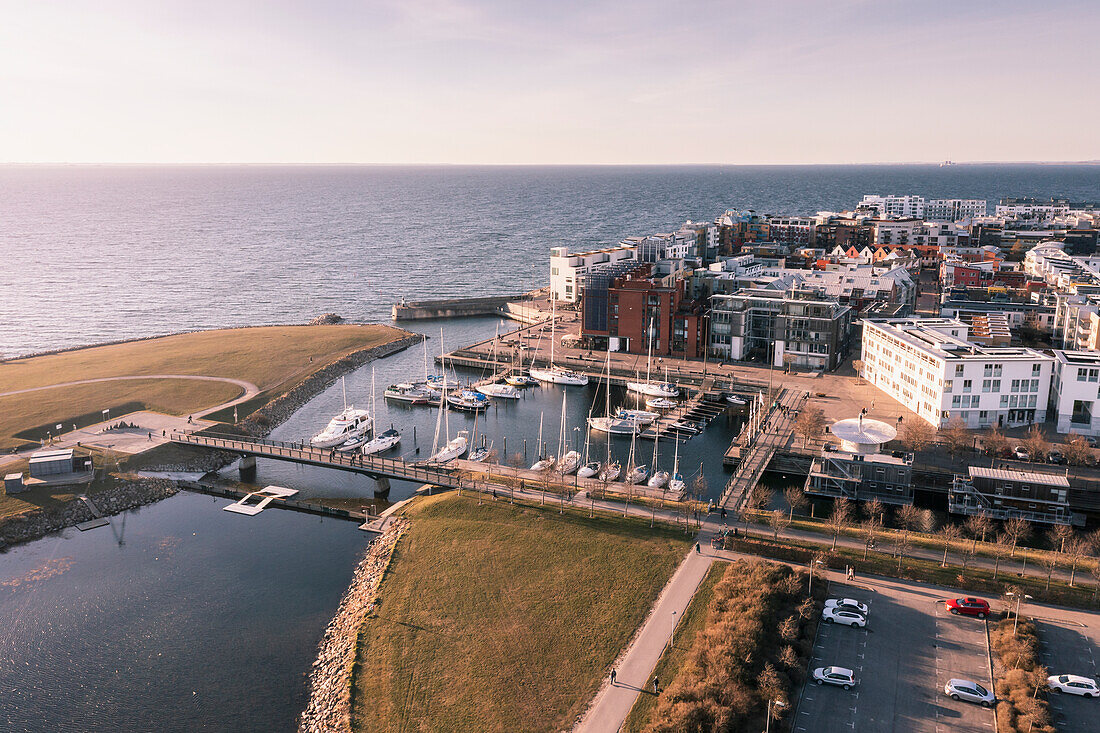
column 834, row 615
column 847, row 604
column 969, row 691
column 1020, row 454
column 1074, row 684
column 841, row 676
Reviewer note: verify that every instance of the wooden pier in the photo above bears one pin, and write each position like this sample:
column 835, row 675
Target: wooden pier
column 757, row 445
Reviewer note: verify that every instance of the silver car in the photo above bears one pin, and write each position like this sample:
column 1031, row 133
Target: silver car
column 840, row 676
column 969, row 691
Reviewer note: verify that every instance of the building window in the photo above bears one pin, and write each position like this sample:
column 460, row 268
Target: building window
column 1082, row 413
column 958, row 370
column 966, row 385
column 1035, row 369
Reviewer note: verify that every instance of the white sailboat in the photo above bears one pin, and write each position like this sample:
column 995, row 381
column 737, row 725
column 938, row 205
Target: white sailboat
column 568, row 461
column 348, row 425
column 453, row 448
column 659, row 479
column 609, row 423
column 649, row 387
column 552, row 374
column 634, row 474
column 544, row 462
column 642, row 417
column 589, row 468
column 385, row 440
column 676, row 483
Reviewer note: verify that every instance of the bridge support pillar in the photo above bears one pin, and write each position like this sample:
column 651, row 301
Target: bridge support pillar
column 381, row 486
column 247, row 469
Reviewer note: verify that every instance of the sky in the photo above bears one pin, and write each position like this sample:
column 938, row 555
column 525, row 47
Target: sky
column 551, row 82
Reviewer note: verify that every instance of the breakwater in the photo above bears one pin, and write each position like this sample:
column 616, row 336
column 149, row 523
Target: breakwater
column 455, row 307
column 330, row 679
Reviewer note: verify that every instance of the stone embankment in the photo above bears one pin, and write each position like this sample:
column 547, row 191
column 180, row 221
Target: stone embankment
column 127, row 494
column 329, row 707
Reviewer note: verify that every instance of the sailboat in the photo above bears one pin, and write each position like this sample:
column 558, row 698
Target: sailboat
column 676, row 483
column 634, row 474
column 479, row 453
column 649, row 387
column 589, row 468
column 355, row 441
column 496, row 389
column 660, row 403
column 453, row 448
column 544, row 462
column 349, row 424
column 609, row 423
column 568, row 461
column 385, row 440
column 552, row 374
column 659, row 478
column 611, row 469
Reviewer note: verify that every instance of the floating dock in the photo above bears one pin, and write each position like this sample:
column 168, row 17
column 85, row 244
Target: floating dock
column 255, row 502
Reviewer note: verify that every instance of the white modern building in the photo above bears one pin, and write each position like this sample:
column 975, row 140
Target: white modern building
column 1075, row 392
column 954, row 209
column 928, row 365
column 904, row 207
column 567, row 269
column 1049, row 262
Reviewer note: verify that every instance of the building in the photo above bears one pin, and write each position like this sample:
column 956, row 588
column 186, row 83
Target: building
column 1036, row 209
column 857, row 469
column 901, row 207
column 48, row 463
column 1050, row 263
column 568, row 269
column 780, row 328
column 954, row 209
column 1075, row 392
column 986, row 329
column 1077, row 322
column 984, row 274
column 1015, row 311
column 929, row 366
column 1008, row 494
column 794, row 231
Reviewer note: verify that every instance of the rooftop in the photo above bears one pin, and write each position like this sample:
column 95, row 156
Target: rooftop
column 1031, row 477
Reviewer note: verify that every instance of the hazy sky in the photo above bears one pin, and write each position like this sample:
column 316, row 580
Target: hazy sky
column 558, row 81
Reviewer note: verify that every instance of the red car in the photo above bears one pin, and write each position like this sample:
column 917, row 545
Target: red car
column 968, row 607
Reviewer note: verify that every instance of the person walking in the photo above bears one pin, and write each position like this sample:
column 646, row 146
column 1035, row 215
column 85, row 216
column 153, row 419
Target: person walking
column 613, row 677
column 656, row 686
column 697, row 550
column 851, row 573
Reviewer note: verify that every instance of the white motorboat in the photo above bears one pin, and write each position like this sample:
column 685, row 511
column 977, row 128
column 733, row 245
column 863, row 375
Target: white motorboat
column 588, row 470
column 692, row 428
column 652, row 388
column 468, row 399
column 382, row 442
column 659, row 479
column 521, row 380
column 569, row 462
column 406, row 392
column 455, row 448
column 348, row 425
column 353, row 443
column 660, row 403
column 505, row 391
column 637, row 475
column 734, row 399
column 553, row 374
column 610, row 471
column 641, row 417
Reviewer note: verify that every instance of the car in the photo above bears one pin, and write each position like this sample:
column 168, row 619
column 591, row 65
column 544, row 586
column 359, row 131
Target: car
column 841, row 676
column 1056, row 456
column 1020, row 454
column 834, row 615
column 1074, row 684
column 847, row 604
column 831, row 447
column 969, row 691
column 1091, row 441
column 968, row 607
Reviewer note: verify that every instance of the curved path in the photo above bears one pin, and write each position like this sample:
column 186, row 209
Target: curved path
column 250, row 390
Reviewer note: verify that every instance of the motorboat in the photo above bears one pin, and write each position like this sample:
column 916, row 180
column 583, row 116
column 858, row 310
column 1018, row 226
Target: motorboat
column 353, row 443
column 543, row 464
column 734, row 399
column 637, row 475
column 521, row 380
column 610, row 471
column 683, row 426
column 659, row 479
column 469, row 400
column 382, row 442
column 479, row 454
column 588, row 470
column 454, row 448
column 660, row 403
column 641, row 417
column 406, row 392
column 349, row 424
column 569, row 463
column 495, row 389
column 652, row 388
column 553, row 374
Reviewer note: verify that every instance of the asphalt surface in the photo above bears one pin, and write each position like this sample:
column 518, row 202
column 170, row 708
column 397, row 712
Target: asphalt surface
column 908, row 651
column 1070, row 644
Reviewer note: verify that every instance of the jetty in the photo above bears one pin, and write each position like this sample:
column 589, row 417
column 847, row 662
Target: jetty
column 768, row 430
column 518, row 306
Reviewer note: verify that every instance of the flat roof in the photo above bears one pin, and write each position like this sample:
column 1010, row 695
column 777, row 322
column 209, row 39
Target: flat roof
column 1048, row 479
column 13, row 476
column 50, row 455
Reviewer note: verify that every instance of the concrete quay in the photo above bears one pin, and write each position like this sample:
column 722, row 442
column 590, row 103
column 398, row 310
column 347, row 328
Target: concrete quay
column 459, row 307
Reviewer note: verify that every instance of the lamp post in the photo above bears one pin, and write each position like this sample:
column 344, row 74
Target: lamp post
column 778, row 704
column 1019, row 600
column 811, row 564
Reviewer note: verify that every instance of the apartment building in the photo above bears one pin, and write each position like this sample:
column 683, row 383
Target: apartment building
column 1077, row 322
column 1075, row 392
column 568, row 269
column 954, row 209
column 931, row 367
column 1050, row 263
column 901, row 207
column 795, row 231
column 779, row 328
column 1039, row 210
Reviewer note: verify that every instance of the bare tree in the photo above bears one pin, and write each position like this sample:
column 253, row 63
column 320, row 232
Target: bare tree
column 1036, row 443
column 995, row 442
column 1076, row 549
column 1094, row 571
column 1017, row 530
column 956, row 436
column 978, row 526
column 516, row 462
column 876, row 510
column 1077, row 450
column 912, row 520
column 1049, row 562
column 778, row 521
column 949, row 533
column 840, row 518
column 760, row 497
column 869, row 528
column 1000, row 552
column 796, row 499
column 809, row 424
column 1058, row 535
column 917, row 435
column 547, row 472
column 858, row 366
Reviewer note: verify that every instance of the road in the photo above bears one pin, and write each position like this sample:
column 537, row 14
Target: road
column 1070, row 644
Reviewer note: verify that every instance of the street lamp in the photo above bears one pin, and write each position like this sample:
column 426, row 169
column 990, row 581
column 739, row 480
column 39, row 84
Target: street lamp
column 778, row 704
column 1019, row 600
column 811, row 564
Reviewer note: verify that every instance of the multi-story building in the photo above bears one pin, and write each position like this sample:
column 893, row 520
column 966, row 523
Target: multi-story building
column 1015, row 312
column 1036, row 209
column 1050, row 263
column 568, row 269
column 903, row 207
column 1075, row 392
column 1077, row 322
column 1001, row 493
column 954, row 209
column 795, row 231
column 780, row 328
column 929, row 366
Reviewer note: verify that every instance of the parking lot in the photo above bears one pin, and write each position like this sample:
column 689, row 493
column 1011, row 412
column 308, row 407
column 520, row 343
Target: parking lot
column 911, row 647
column 1070, row 645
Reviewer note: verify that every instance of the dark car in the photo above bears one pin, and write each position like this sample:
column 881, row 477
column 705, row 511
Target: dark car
column 968, row 607
column 1055, row 456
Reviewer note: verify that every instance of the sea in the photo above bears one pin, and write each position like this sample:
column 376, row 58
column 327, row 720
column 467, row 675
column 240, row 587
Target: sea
column 180, row 616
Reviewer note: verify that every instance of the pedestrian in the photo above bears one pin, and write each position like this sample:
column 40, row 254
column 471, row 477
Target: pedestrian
column 164, row 433
column 612, row 676
column 697, row 550
column 656, row 686
column 851, row 572
column 150, row 436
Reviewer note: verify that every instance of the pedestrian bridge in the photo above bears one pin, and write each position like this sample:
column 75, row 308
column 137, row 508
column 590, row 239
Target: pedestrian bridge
column 355, row 462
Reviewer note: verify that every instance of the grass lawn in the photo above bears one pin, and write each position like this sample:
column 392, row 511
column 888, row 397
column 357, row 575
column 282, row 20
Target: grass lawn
column 274, row 358
column 673, row 658
column 504, row 617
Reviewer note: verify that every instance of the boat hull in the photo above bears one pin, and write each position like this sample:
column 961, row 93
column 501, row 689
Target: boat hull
column 554, row 376
column 613, row 425
column 654, row 389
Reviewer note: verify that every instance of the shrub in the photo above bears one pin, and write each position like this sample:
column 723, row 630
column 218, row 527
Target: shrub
column 1020, row 679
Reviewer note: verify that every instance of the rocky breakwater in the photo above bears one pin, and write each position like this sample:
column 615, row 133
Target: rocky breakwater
column 329, row 707
column 125, row 495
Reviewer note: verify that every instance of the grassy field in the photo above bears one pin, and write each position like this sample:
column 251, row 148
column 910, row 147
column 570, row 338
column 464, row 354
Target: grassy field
column 504, row 617
column 274, row 358
column 695, row 616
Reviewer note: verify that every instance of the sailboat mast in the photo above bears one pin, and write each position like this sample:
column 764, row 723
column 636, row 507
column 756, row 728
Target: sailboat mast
column 553, row 319
column 443, row 396
column 344, row 388
column 649, row 350
column 561, row 429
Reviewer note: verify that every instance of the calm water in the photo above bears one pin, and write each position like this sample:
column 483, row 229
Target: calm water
column 180, row 617
column 206, row 620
